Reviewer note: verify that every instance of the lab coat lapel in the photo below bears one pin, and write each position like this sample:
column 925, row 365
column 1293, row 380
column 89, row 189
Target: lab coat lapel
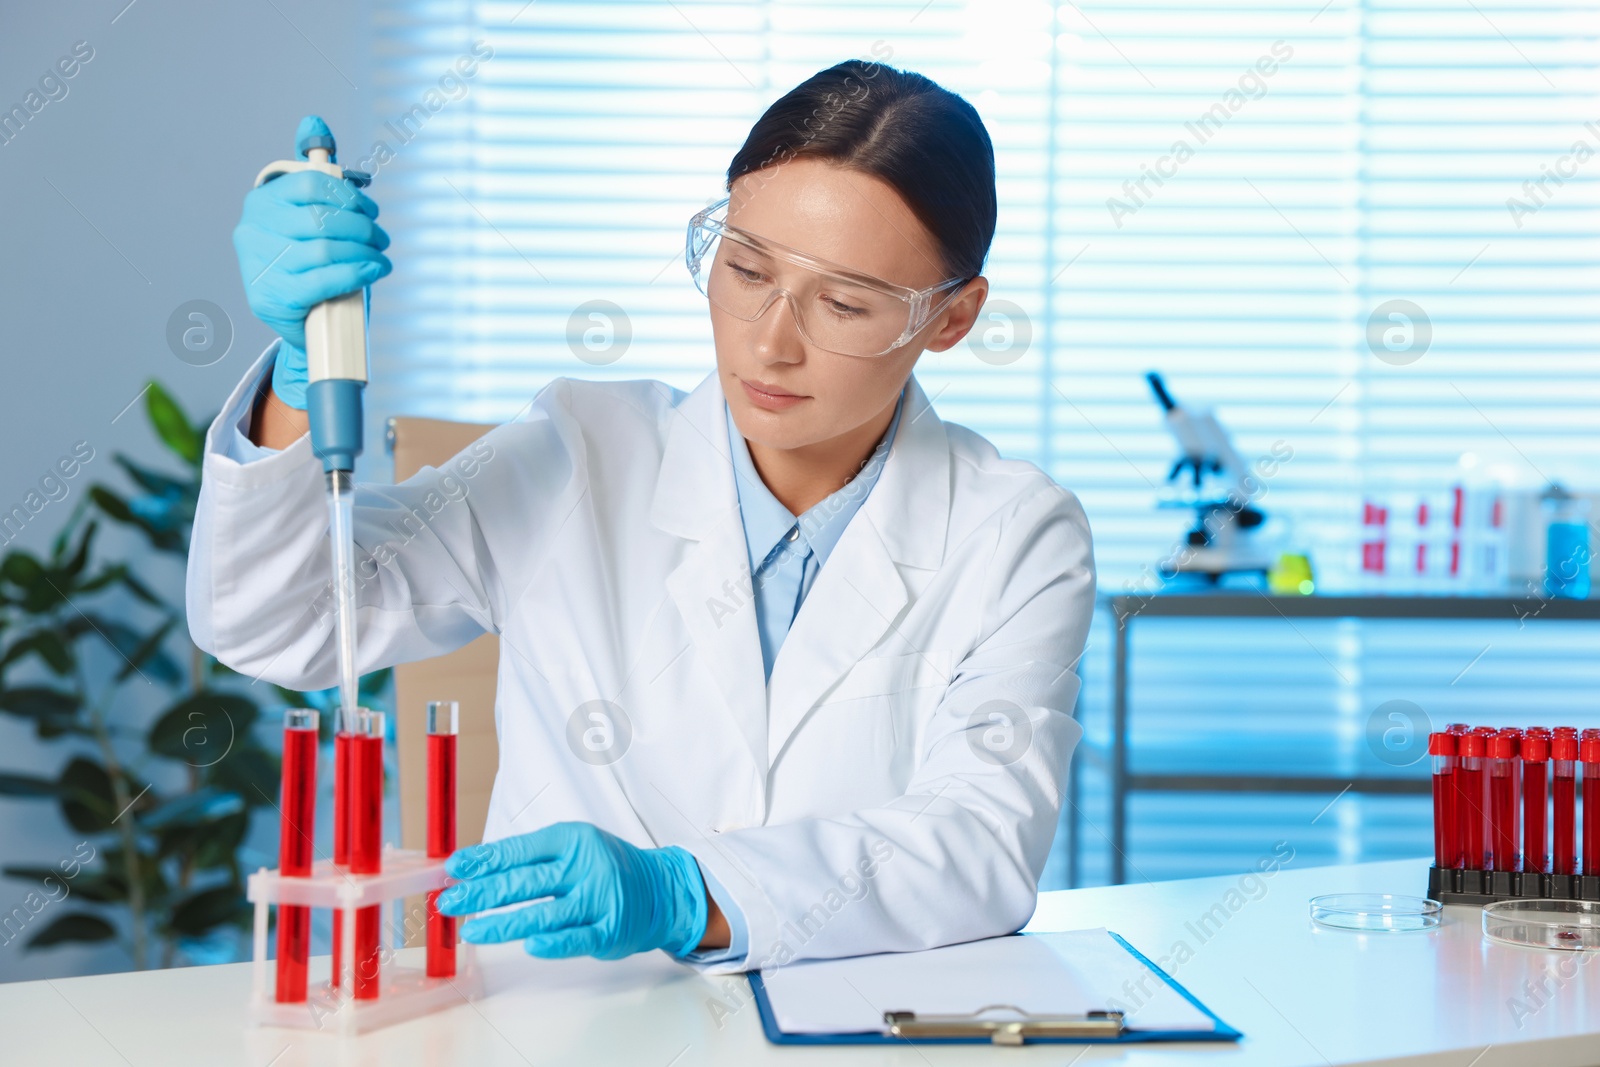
column 695, row 498
column 859, row 594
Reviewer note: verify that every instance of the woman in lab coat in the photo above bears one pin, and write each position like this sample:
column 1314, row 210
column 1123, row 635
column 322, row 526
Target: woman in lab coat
column 787, row 662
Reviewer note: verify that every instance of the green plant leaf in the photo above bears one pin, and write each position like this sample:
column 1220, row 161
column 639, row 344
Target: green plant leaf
column 200, row 911
column 250, row 771
column 167, row 537
column 26, row 873
column 80, row 557
column 27, row 785
column 154, row 482
column 148, row 657
column 21, row 568
column 374, row 683
column 38, row 702
column 201, row 807
column 73, row 926
column 87, row 799
column 172, row 425
column 203, row 729
column 219, row 847
column 47, row 645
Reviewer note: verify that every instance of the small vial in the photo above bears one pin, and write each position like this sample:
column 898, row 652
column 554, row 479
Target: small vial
column 443, row 724
column 1472, row 801
column 1564, row 800
column 1446, row 847
column 296, row 834
column 1504, row 797
column 1535, row 799
column 1589, row 753
column 366, row 842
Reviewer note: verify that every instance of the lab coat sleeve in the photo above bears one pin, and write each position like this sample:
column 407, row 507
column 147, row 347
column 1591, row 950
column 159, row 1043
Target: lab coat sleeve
column 738, row 929
column 259, row 592
column 958, row 856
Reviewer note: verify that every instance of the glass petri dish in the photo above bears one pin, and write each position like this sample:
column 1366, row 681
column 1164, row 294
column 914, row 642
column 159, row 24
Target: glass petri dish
column 1384, row 913
column 1572, row 925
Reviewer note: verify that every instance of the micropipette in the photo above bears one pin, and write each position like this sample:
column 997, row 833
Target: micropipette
column 336, row 357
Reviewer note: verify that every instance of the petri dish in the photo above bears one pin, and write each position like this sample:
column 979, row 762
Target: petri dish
column 1571, row 925
column 1384, row 913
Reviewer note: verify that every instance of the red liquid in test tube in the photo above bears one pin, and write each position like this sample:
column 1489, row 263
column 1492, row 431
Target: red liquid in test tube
column 366, row 843
column 1472, row 801
column 296, row 834
column 1589, row 753
column 443, row 723
column 1446, row 847
column 1564, row 800
column 341, row 829
column 1535, row 799
column 1504, row 799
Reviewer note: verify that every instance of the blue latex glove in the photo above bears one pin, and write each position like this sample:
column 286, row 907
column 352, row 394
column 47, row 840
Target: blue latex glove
column 304, row 238
column 611, row 899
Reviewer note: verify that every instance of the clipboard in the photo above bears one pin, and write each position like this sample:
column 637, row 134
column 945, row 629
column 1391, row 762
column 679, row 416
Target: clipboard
column 1000, row 1024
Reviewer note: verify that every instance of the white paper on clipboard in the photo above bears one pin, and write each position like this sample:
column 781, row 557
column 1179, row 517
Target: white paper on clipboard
column 1066, row 973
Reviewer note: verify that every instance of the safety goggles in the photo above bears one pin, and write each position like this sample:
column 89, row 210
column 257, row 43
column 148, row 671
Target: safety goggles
column 836, row 309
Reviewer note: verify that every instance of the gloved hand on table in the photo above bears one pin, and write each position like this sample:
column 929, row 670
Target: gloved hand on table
column 304, row 238
column 611, row 899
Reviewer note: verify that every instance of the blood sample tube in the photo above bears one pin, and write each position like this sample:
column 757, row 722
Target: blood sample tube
column 1446, row 849
column 1535, row 799
column 1589, row 753
column 1503, row 800
column 1564, row 800
column 1472, row 801
column 366, row 842
column 1458, row 728
column 343, row 730
column 296, row 834
column 443, row 722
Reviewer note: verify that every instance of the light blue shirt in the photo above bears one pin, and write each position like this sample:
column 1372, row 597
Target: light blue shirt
column 785, row 555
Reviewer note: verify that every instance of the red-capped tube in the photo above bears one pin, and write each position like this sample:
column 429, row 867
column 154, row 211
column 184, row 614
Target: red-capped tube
column 296, row 835
column 443, row 724
column 1564, row 801
column 1504, row 797
column 1535, row 799
column 1472, row 800
column 1446, row 849
column 366, row 843
column 1589, row 753
column 341, row 829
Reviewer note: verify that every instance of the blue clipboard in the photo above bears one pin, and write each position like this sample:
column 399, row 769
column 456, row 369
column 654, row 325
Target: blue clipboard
column 1222, row 1032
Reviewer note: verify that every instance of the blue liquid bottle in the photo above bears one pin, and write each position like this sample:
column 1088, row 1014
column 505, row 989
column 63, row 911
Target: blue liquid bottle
column 1566, row 571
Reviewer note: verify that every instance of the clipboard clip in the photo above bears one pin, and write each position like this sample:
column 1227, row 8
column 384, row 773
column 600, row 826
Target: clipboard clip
column 1004, row 1031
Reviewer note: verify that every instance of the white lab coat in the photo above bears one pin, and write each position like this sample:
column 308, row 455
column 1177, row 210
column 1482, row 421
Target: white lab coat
column 860, row 802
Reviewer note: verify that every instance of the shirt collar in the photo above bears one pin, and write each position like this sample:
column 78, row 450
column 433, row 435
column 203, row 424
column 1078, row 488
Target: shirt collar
column 767, row 521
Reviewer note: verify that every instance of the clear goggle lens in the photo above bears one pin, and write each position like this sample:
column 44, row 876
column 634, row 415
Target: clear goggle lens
column 834, row 310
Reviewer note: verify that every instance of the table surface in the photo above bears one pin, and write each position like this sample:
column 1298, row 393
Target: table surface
column 1510, row 606
column 1300, row 994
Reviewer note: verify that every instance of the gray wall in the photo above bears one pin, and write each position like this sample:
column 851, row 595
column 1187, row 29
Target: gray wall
column 119, row 201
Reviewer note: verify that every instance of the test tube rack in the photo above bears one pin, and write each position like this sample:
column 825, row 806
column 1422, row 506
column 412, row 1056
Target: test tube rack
column 404, row 991
column 1510, row 820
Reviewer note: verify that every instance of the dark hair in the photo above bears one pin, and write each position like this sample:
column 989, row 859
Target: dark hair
column 922, row 139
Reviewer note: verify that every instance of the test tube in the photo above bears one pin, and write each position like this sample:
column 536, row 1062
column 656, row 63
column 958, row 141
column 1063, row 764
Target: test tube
column 1564, row 800
column 296, row 834
column 1589, row 753
column 1503, row 797
column 443, row 724
column 343, row 727
column 366, row 842
column 1535, row 799
column 1472, row 801
column 1446, row 847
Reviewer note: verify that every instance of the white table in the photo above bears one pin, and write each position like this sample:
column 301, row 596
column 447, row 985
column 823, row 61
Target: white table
column 1300, row 994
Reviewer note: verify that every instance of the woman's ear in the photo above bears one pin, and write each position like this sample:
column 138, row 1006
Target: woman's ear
column 955, row 321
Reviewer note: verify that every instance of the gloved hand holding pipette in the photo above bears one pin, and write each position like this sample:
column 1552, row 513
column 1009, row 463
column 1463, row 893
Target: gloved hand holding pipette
column 303, row 239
